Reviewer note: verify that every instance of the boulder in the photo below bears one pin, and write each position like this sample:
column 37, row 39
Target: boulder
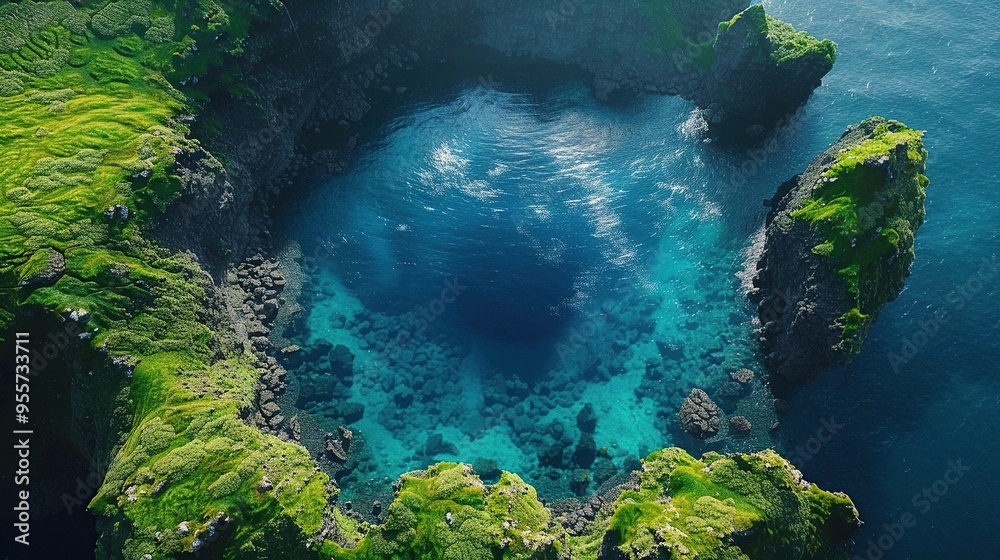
column 699, row 415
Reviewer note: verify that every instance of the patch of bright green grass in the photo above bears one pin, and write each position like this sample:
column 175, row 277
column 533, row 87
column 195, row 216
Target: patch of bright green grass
column 447, row 512
column 784, row 44
column 741, row 506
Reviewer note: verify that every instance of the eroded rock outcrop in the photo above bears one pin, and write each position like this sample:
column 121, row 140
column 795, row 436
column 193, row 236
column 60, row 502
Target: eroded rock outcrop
column 699, row 415
column 839, row 244
column 766, row 500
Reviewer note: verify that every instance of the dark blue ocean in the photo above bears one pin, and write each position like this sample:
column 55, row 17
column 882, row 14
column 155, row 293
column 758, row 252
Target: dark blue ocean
column 505, row 249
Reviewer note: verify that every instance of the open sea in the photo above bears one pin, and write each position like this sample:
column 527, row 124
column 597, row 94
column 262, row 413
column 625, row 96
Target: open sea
column 505, row 250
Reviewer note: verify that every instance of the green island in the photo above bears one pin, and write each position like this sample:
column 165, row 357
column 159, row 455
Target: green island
column 97, row 98
column 840, row 239
column 784, row 44
column 867, row 215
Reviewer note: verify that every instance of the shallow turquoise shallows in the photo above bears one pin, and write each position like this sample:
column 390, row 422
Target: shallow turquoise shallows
column 506, row 250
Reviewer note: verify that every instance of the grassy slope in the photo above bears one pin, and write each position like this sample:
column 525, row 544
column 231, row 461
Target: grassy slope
column 868, row 221
column 785, row 45
column 89, row 123
column 502, row 520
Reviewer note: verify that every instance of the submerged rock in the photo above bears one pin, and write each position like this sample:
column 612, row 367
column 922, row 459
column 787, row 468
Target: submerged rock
column 742, row 376
column 487, row 469
column 699, row 416
column 839, row 245
column 586, row 420
column 728, row 395
column 585, row 452
column 436, row 445
column 740, row 426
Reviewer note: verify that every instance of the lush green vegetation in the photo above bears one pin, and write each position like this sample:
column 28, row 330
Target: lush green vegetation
column 866, row 207
column 784, row 44
column 739, row 506
column 736, row 506
column 90, row 103
column 447, row 512
column 92, row 94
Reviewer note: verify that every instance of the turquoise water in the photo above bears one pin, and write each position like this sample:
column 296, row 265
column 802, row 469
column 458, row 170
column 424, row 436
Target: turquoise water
column 496, row 258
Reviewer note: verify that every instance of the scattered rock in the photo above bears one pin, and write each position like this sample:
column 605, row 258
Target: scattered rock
column 780, row 406
column 436, row 445
column 264, row 485
column 585, row 452
column 739, row 425
column 699, row 416
column 742, row 376
column 486, row 469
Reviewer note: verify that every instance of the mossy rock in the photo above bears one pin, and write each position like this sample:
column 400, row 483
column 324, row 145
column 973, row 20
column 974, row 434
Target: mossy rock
column 752, row 506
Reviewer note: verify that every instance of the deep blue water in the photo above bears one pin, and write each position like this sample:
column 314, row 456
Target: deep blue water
column 500, row 257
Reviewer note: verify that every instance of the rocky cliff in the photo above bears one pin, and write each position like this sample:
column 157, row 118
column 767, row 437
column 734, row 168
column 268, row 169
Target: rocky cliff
column 839, row 244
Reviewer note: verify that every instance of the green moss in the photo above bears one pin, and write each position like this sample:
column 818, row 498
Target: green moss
column 90, row 123
column 866, row 207
column 447, row 512
column 783, row 45
column 738, row 506
column 791, row 45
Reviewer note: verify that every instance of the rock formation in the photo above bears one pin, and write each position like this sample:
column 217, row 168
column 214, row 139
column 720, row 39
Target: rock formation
column 664, row 510
column 839, row 244
column 699, row 416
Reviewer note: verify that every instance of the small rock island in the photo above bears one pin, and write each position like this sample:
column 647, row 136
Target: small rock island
column 839, row 245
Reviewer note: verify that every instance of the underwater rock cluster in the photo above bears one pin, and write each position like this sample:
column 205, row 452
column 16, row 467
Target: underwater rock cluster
column 839, row 245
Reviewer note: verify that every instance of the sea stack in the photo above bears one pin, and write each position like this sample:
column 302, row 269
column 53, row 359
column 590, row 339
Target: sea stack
column 838, row 246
